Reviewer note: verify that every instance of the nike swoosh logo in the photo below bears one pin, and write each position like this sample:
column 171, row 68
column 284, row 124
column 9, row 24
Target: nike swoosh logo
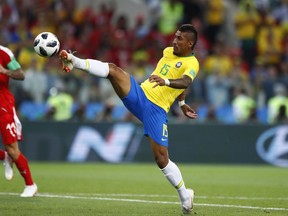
column 164, row 139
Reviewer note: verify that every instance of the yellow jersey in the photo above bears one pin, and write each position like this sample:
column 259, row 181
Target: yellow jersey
column 170, row 66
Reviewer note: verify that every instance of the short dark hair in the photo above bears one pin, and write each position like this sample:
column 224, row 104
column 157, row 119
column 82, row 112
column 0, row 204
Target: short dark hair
column 191, row 29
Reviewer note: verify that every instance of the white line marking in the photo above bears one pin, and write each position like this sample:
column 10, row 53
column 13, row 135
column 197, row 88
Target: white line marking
column 172, row 196
column 242, row 198
column 144, row 201
column 122, row 195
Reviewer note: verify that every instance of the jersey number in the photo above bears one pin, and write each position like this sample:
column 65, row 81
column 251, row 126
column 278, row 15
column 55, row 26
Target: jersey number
column 165, row 69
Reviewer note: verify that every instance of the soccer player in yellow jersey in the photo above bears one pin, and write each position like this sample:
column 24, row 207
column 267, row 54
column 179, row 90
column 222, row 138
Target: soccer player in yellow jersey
column 150, row 101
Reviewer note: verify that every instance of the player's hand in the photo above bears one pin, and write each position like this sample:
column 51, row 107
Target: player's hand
column 189, row 112
column 3, row 70
column 158, row 80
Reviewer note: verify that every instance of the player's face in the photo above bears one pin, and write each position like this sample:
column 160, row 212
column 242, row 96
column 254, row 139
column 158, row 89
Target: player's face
column 182, row 44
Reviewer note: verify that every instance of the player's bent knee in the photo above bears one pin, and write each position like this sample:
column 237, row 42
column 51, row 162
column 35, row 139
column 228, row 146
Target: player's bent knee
column 113, row 69
column 161, row 161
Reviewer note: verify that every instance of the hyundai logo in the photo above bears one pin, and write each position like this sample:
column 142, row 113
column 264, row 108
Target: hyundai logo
column 272, row 146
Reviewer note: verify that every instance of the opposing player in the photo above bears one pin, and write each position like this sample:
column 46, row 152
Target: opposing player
column 10, row 126
column 151, row 101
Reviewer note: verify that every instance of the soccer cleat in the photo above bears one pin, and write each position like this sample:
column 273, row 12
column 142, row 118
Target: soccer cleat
column 8, row 166
column 185, row 208
column 29, row 191
column 66, row 59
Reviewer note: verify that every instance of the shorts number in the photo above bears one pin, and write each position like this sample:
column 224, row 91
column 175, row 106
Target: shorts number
column 12, row 129
column 165, row 131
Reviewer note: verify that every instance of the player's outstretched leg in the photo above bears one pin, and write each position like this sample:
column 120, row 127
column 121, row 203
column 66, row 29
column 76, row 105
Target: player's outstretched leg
column 95, row 67
column 186, row 196
column 119, row 79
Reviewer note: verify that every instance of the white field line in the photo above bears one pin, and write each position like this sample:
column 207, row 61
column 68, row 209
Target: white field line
column 172, row 196
column 198, row 197
column 100, row 197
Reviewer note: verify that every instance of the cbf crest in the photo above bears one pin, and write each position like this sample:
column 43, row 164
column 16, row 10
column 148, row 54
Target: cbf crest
column 178, row 64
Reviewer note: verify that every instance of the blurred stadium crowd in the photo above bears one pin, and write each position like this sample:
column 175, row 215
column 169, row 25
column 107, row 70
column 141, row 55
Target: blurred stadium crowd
column 242, row 50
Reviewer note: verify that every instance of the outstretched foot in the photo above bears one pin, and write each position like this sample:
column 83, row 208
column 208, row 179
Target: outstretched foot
column 66, row 59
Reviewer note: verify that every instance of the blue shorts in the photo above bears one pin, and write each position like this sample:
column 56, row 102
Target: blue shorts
column 153, row 117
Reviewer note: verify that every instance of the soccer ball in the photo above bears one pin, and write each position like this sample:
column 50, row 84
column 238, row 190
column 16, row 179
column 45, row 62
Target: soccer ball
column 46, row 44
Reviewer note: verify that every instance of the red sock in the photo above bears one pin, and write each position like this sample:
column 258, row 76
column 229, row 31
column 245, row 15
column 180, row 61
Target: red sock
column 23, row 167
column 2, row 155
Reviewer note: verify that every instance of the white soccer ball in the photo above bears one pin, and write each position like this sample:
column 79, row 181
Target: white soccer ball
column 46, row 44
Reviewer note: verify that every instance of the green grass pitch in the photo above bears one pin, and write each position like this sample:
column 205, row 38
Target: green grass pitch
column 141, row 189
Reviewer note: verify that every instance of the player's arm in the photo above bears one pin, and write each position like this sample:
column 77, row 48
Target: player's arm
column 186, row 109
column 183, row 95
column 181, row 83
column 14, row 72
